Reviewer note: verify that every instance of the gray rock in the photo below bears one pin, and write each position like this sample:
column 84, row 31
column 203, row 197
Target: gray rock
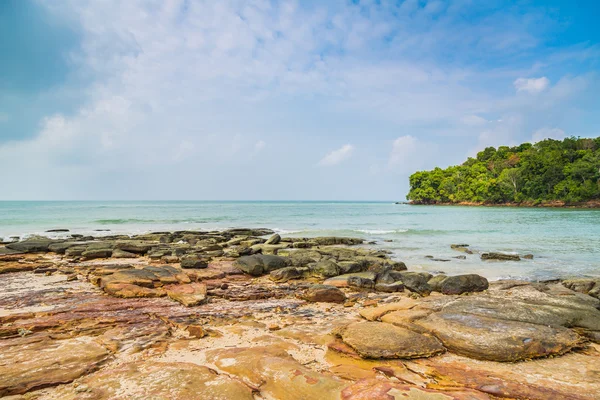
column 417, row 282
column 97, row 253
column 324, row 293
column 361, row 283
column 260, row 264
column 193, row 261
column 273, row 239
column 500, row 257
column 285, row 274
column 327, row 268
column 118, row 253
column 389, row 287
column 459, row 284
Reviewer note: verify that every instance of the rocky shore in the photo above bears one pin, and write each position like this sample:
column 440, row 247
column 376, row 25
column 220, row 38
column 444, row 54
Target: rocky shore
column 247, row 314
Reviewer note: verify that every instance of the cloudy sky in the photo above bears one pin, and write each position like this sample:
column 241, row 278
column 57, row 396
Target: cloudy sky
column 192, row 99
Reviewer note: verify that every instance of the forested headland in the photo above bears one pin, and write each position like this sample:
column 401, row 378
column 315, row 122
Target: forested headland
column 550, row 172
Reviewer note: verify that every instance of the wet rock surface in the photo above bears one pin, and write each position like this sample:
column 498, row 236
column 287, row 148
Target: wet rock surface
column 246, row 313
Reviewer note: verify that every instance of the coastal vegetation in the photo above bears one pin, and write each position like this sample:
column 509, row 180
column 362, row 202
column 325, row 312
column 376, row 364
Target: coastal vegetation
column 547, row 172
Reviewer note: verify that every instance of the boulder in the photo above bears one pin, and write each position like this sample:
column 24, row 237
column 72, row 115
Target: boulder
column 285, row 274
column 192, row 294
column 587, row 286
column 459, row 284
column 193, row 261
column 389, row 287
column 343, row 280
column 96, row 253
column 500, row 256
column 381, row 340
column 118, row 253
column 349, row 267
column 436, row 282
column 327, row 268
column 324, row 294
column 33, row 245
column 417, row 282
column 135, row 246
column 361, row 283
column 486, row 338
column 260, row 264
column 461, row 247
column 273, row 239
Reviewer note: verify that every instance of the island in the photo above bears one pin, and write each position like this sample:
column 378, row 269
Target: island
column 547, row 173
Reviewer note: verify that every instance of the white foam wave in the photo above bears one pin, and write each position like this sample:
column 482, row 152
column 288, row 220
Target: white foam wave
column 381, row 231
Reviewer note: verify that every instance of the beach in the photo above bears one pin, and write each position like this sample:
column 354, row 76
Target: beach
column 249, row 313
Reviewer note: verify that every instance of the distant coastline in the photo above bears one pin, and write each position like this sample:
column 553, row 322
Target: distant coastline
column 525, row 204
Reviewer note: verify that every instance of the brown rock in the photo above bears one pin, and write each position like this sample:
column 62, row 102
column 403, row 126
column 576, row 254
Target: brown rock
column 498, row 340
column 380, row 340
column 37, row 361
column 324, row 293
column 189, row 295
column 158, row 380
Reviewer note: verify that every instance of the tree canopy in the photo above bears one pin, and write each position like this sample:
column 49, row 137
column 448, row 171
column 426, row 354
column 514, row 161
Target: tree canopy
column 550, row 170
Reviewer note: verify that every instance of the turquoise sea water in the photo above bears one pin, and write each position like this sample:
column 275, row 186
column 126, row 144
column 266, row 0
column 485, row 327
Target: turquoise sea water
column 565, row 242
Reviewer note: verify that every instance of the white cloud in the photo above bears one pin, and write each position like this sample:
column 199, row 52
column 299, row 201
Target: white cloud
column 410, row 154
column 547, row 133
column 473, row 120
column 335, row 157
column 531, row 85
column 258, row 146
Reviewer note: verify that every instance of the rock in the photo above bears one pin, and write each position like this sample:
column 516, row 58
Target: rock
column 461, row 247
column 57, row 230
column 33, row 245
column 193, row 261
column 324, row 294
column 436, row 282
column 96, row 253
column 459, row 284
column 135, row 246
column 300, row 257
column 192, row 294
column 348, row 267
column 276, row 374
column 381, row 340
column 127, row 290
column 343, row 280
column 249, row 232
column 273, row 239
column 493, row 339
column 269, row 248
column 361, row 283
column 75, row 251
column 157, row 380
column 389, row 287
column 540, row 310
column 331, row 240
column 260, row 264
column 118, row 253
column 327, row 268
column 460, row 257
column 285, row 274
column 170, row 259
column 587, row 286
column 500, row 256
column 528, row 256
column 37, row 361
column 366, row 389
column 417, row 282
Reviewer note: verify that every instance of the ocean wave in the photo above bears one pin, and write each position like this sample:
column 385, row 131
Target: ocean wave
column 380, row 231
column 122, row 221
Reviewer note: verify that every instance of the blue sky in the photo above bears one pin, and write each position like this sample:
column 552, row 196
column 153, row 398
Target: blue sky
column 190, row 99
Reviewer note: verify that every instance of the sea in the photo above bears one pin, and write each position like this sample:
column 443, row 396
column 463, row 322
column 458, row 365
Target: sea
column 564, row 242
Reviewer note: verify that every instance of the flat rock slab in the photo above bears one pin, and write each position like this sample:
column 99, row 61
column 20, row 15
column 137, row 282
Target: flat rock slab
column 189, row 295
column 381, row 340
column 376, row 389
column 156, row 380
column 37, row 361
column 276, row 374
column 493, row 339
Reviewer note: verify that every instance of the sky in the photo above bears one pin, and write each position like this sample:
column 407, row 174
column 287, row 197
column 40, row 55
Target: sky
column 280, row 100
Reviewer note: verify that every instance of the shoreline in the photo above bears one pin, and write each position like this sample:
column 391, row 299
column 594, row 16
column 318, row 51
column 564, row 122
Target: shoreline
column 249, row 314
column 594, row 204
